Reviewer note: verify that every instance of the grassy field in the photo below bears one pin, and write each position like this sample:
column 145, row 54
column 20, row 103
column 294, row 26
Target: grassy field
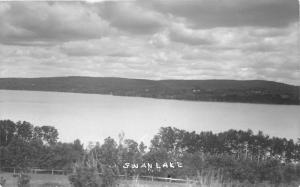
column 38, row 180
column 47, row 180
column 44, row 180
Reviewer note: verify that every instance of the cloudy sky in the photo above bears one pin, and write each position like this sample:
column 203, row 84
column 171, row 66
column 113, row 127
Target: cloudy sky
column 152, row 39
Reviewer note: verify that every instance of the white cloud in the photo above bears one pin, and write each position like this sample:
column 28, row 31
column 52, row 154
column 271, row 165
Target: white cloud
column 160, row 39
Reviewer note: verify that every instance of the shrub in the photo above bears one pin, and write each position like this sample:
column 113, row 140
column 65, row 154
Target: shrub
column 85, row 177
column 2, row 181
column 24, row 180
column 85, row 173
column 109, row 178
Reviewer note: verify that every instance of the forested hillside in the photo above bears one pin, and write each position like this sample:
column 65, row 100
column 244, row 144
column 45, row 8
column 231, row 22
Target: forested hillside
column 250, row 91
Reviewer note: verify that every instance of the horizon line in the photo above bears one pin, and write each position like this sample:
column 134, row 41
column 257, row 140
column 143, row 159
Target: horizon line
column 174, row 79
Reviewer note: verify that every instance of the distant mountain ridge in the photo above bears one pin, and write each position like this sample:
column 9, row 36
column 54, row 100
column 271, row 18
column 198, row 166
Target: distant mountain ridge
column 245, row 91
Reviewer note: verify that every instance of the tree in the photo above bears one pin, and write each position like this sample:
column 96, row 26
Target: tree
column 7, row 132
column 20, row 153
column 107, row 152
column 62, row 155
column 289, row 150
column 168, row 138
column 38, row 133
column 24, row 130
column 142, row 148
column 85, row 173
column 50, row 134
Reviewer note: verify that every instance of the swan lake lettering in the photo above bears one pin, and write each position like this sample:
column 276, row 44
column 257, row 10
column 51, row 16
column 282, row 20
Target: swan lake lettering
column 152, row 166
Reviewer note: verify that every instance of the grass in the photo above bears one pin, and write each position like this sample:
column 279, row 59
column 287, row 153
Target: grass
column 38, row 180
column 140, row 183
column 47, row 180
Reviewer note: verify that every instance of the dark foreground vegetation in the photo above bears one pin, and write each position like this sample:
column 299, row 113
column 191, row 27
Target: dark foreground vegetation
column 233, row 155
column 250, row 91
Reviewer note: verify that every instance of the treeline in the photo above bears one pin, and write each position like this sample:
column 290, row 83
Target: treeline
column 246, row 91
column 236, row 154
column 238, row 143
column 23, row 145
column 233, row 154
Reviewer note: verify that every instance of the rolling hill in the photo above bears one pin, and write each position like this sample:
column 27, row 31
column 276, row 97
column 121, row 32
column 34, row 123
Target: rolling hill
column 246, row 91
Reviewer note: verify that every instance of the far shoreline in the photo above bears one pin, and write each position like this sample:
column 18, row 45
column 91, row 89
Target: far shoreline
column 169, row 99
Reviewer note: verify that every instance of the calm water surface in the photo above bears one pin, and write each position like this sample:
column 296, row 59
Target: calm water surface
column 92, row 117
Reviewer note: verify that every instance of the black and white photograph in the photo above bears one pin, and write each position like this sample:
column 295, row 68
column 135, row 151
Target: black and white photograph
column 149, row 93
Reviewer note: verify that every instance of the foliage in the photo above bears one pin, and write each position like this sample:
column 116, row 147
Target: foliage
column 239, row 155
column 238, row 143
column 24, row 180
column 2, row 181
column 85, row 177
column 25, row 145
column 234, row 154
column 85, row 173
column 109, row 177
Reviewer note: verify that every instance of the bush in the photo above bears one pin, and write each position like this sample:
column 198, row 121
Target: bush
column 109, row 178
column 85, row 177
column 24, row 180
column 2, row 181
column 85, row 173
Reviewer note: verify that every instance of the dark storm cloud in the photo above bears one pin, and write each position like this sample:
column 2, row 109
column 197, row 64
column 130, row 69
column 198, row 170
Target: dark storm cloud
column 229, row 13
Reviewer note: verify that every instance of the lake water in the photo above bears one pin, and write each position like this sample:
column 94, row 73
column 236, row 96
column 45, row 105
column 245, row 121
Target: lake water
column 92, row 117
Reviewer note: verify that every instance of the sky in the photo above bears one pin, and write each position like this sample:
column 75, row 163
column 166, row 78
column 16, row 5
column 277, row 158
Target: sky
column 152, row 39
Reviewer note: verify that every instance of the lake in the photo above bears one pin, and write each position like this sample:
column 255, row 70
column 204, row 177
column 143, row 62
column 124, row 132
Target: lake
column 92, row 117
